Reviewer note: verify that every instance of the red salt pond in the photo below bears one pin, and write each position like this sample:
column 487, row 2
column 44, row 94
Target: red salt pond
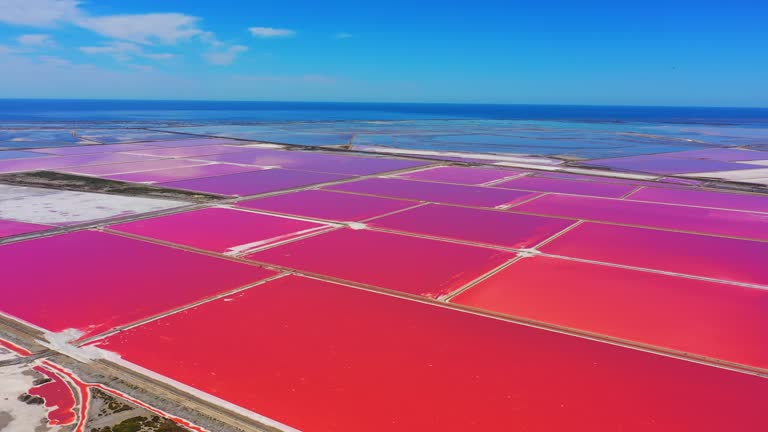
column 709, row 319
column 461, row 175
column 704, row 220
column 93, row 281
column 541, row 184
column 15, row 348
column 58, row 398
column 474, row 225
column 328, row 205
column 698, row 255
column 11, row 228
column 220, row 229
column 408, row 264
column 255, row 182
column 434, row 192
column 324, row 357
column 713, row 199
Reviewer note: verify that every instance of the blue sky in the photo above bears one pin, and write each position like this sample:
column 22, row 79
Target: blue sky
column 709, row 53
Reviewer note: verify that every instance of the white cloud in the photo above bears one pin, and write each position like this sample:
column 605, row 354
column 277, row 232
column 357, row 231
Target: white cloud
column 130, row 32
column 342, row 35
column 124, row 51
column 226, row 56
column 270, row 32
column 38, row 13
column 112, row 48
column 35, row 40
column 167, row 28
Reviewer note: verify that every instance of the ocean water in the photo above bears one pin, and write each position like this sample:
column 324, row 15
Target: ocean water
column 138, row 110
column 580, row 132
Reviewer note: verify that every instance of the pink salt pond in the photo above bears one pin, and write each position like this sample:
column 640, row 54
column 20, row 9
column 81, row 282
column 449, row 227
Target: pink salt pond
column 435, row 192
column 402, row 263
column 692, row 316
column 461, row 175
column 673, row 217
column 692, row 254
column 474, row 225
column 255, row 182
column 10, row 228
column 328, row 205
column 93, row 281
column 326, row 357
column 220, row 229
column 542, row 184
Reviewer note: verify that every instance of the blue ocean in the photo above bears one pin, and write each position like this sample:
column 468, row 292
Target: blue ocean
column 578, row 132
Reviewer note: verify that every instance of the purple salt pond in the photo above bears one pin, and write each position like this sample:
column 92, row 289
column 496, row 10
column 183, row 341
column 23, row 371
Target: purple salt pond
column 54, row 162
column 183, row 173
column 703, row 198
column 461, row 175
column 255, row 182
column 320, row 162
column 435, row 192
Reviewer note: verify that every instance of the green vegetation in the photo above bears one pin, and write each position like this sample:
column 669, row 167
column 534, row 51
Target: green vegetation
column 143, row 424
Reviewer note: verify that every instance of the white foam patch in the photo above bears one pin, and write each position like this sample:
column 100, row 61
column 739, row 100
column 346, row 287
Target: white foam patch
column 264, row 145
column 62, row 342
column 356, row 225
column 236, row 250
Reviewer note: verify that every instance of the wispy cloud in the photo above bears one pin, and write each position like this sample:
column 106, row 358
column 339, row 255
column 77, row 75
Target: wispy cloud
column 342, row 35
column 223, row 57
column 35, row 40
column 38, row 13
column 128, row 31
column 124, row 51
column 271, row 32
column 166, row 28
